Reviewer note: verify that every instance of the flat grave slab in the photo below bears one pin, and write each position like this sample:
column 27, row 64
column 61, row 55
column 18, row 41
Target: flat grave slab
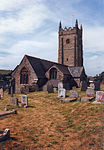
column 5, row 113
column 69, row 99
column 86, row 98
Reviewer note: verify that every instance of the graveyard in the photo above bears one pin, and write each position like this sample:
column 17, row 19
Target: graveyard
column 49, row 124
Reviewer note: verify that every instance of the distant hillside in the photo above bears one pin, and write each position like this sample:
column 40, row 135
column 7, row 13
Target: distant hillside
column 2, row 72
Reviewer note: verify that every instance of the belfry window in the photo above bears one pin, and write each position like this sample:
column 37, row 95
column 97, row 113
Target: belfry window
column 24, row 76
column 67, row 41
column 53, row 73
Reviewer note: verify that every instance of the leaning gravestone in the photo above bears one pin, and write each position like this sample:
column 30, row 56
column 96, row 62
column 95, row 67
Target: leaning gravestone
column 90, row 92
column 83, row 86
column 60, row 85
column 1, row 92
column 14, row 101
column 97, row 85
column 62, row 93
column 50, row 88
column 73, row 94
column 24, row 100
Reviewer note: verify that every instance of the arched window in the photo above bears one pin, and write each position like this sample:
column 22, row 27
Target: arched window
column 53, row 73
column 24, row 76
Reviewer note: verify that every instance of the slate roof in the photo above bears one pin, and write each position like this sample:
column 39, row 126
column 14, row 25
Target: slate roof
column 76, row 71
column 41, row 66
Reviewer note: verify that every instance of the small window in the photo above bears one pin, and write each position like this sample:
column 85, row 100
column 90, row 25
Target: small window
column 24, row 76
column 53, row 73
column 67, row 41
column 67, row 59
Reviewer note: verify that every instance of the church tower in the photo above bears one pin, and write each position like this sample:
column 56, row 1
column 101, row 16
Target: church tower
column 70, row 50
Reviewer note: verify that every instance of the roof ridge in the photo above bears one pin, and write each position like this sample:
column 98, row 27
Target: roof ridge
column 46, row 60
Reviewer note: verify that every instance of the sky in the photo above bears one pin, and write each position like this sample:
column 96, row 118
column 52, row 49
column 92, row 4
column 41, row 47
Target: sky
column 31, row 27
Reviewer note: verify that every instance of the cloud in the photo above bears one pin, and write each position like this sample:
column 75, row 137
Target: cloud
column 42, row 49
column 26, row 20
column 93, row 38
column 31, row 26
column 10, row 5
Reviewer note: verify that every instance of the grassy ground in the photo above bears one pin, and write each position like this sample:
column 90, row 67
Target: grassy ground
column 48, row 124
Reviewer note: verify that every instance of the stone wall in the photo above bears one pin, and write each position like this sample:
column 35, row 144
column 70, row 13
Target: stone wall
column 16, row 75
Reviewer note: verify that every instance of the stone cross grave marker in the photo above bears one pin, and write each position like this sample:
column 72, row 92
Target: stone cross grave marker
column 83, row 86
column 90, row 92
column 24, row 100
column 1, row 93
column 14, row 101
column 62, row 93
column 60, row 85
column 73, row 94
column 97, row 85
column 100, row 96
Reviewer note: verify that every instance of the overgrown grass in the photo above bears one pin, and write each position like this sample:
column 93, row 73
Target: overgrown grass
column 49, row 124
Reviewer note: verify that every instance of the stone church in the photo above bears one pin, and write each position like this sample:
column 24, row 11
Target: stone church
column 35, row 73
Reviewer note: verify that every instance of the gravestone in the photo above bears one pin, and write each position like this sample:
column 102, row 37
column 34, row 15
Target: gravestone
column 54, row 89
column 84, row 99
column 14, row 101
column 90, row 92
column 92, row 86
column 73, row 94
column 50, row 88
column 1, row 92
column 83, row 86
column 100, row 96
column 97, row 85
column 62, row 93
column 24, row 100
column 24, row 89
column 60, row 85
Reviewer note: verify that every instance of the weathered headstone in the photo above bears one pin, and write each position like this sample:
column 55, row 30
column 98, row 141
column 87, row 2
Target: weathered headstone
column 54, row 89
column 62, row 93
column 60, row 85
column 14, row 101
column 24, row 89
column 73, row 94
column 50, row 88
column 92, row 86
column 83, row 86
column 100, row 96
column 1, row 92
column 90, row 92
column 24, row 100
column 97, row 85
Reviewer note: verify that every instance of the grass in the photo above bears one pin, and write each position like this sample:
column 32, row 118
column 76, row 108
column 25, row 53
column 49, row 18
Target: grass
column 48, row 124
